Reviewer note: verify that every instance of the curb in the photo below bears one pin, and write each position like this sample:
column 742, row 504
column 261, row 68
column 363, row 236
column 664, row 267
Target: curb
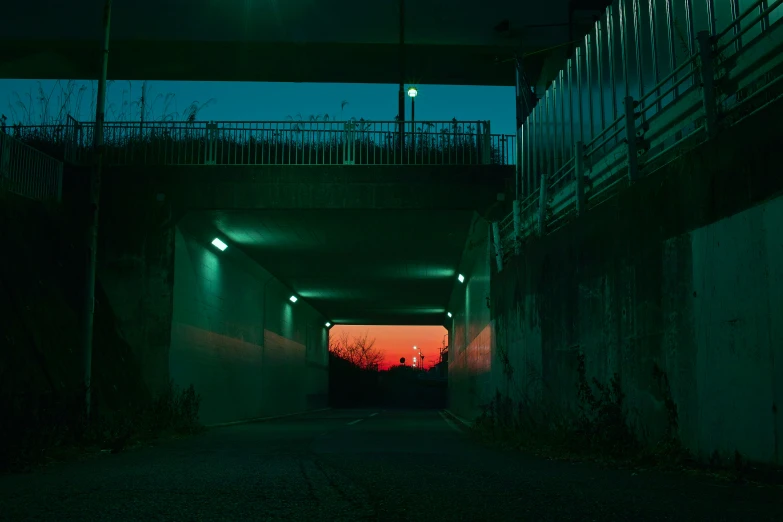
column 459, row 419
column 262, row 419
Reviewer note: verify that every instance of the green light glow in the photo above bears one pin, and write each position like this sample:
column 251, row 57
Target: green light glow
column 326, row 293
column 417, row 271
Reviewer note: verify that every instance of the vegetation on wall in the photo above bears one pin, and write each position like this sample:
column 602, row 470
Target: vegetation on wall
column 598, row 429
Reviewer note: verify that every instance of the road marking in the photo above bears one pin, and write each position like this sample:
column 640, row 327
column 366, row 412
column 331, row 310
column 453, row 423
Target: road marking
column 354, row 422
column 450, row 423
column 374, row 414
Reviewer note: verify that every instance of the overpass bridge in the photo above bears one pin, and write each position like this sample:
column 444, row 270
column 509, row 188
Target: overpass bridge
column 349, row 41
column 318, row 223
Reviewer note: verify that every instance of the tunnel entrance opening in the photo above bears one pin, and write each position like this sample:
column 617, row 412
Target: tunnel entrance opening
column 388, row 366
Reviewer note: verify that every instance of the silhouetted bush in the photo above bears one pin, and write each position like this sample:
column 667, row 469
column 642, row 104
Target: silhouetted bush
column 37, row 429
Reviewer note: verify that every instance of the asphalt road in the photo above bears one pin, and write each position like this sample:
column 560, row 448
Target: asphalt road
column 362, row 465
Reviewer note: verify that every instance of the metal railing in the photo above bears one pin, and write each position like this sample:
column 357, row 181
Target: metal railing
column 284, row 143
column 653, row 78
column 29, row 172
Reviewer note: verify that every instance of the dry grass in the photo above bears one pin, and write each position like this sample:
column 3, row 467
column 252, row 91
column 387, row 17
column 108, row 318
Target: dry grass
column 48, row 428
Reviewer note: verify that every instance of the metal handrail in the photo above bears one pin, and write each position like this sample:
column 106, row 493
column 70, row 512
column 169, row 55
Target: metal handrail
column 607, row 139
column 28, row 172
column 677, row 111
column 665, row 93
column 749, row 26
column 736, row 22
column 290, row 142
column 690, row 61
column 563, row 171
column 617, row 121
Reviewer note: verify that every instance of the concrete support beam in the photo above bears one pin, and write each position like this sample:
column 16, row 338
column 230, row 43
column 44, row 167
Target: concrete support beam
column 329, row 187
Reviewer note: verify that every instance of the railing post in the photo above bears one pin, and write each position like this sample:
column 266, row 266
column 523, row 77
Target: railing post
column 349, row 145
column 579, row 176
column 630, row 138
column 75, row 142
column 517, row 224
column 211, row 143
column 498, row 245
column 5, row 156
column 542, row 205
column 707, row 69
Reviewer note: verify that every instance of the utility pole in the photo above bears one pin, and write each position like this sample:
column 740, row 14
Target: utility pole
column 401, row 100
column 142, row 106
column 88, row 311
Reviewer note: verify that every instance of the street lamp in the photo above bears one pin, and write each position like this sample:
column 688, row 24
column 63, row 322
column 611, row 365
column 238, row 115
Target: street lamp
column 421, row 357
column 412, row 93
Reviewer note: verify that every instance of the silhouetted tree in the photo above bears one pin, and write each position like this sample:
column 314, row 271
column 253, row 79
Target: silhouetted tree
column 360, row 350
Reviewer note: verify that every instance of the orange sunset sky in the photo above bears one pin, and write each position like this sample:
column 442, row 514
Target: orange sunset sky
column 398, row 341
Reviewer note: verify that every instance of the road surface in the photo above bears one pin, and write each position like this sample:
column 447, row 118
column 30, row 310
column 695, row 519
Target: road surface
column 345, row 465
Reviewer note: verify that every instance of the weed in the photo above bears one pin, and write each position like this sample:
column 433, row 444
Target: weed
column 599, row 432
column 288, row 143
column 602, row 423
column 599, row 428
column 46, row 427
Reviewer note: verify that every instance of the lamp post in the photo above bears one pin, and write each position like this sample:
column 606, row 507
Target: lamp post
column 421, row 357
column 401, row 98
column 412, row 92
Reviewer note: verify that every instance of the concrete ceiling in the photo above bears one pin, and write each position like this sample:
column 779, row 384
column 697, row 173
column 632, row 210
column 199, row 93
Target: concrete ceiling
column 353, row 41
column 355, row 266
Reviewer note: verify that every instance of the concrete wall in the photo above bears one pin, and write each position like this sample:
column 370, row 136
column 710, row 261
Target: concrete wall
column 41, row 285
column 238, row 339
column 181, row 325
column 701, row 306
column 733, row 397
column 136, row 266
column 470, row 331
column 682, row 271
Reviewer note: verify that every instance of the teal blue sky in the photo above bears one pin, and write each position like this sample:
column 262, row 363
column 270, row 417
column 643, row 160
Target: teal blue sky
column 20, row 101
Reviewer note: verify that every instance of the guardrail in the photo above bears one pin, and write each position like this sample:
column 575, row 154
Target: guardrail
column 29, row 172
column 283, row 143
column 637, row 92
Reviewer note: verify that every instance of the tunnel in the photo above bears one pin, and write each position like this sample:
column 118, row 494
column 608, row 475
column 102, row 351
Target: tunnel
column 241, row 271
